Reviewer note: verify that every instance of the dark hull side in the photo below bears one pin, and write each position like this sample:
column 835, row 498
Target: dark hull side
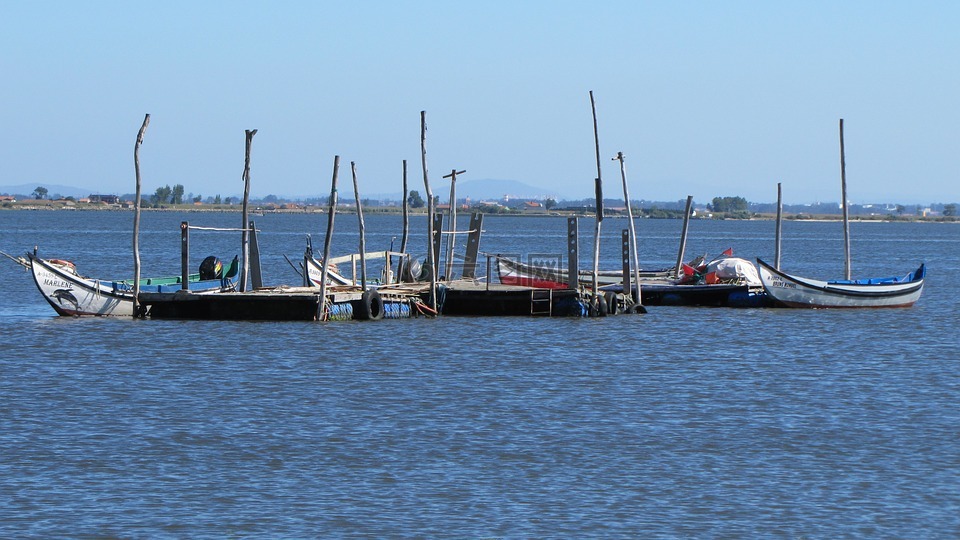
column 715, row 295
column 564, row 303
column 227, row 307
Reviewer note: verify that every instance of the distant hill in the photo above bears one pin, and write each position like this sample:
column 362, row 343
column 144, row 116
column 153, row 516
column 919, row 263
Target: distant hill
column 52, row 190
column 476, row 190
column 489, row 188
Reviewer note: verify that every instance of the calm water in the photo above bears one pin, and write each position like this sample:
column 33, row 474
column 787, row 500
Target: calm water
column 683, row 422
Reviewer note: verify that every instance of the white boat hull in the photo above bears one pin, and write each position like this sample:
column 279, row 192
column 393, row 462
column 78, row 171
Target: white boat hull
column 795, row 291
column 73, row 295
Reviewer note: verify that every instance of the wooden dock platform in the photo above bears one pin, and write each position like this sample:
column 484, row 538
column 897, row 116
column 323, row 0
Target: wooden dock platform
column 279, row 304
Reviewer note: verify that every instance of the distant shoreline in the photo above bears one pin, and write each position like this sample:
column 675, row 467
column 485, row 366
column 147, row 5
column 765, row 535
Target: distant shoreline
column 57, row 206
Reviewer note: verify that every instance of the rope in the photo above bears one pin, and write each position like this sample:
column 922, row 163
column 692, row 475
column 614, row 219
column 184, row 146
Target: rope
column 459, row 232
column 220, row 229
column 423, row 308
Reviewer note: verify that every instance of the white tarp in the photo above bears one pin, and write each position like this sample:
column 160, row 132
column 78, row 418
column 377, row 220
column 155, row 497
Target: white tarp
column 735, row 268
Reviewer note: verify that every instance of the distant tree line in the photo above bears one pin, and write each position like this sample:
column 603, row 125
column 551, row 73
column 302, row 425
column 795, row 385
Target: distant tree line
column 725, row 207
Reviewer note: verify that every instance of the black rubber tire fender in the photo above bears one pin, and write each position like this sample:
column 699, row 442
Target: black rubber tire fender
column 370, row 307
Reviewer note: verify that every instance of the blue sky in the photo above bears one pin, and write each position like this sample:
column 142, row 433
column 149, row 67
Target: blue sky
column 704, row 98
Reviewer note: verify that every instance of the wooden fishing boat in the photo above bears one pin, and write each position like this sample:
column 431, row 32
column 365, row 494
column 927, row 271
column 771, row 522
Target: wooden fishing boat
column 795, row 291
column 799, row 292
column 512, row 272
column 336, row 277
column 700, row 286
column 71, row 294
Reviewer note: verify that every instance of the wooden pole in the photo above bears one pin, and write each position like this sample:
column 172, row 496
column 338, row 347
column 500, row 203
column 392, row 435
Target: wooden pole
column 256, row 271
column 573, row 253
column 136, row 218
column 596, row 133
column 431, row 256
column 363, row 242
column 328, row 237
column 625, row 260
column 683, row 235
column 245, row 238
column 599, row 192
column 846, row 215
column 452, row 235
column 184, row 255
column 633, row 233
column 779, row 229
column 406, row 226
column 473, row 246
column 596, row 239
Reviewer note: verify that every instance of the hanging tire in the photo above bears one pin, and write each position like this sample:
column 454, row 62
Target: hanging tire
column 370, row 306
column 611, row 299
column 601, row 303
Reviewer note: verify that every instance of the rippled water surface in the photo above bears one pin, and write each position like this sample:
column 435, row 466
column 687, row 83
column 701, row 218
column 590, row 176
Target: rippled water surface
column 683, row 422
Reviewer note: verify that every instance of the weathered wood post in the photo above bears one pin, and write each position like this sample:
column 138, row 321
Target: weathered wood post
column 401, row 266
column 573, row 253
column 184, row 255
column 256, row 271
column 363, row 241
column 596, row 239
column 633, row 232
column 843, row 202
column 437, row 237
column 473, row 246
column 625, row 259
column 683, row 235
column 599, row 191
column 489, row 272
column 452, row 235
column 136, row 218
column 328, row 237
column 245, row 238
column 431, row 255
column 779, row 228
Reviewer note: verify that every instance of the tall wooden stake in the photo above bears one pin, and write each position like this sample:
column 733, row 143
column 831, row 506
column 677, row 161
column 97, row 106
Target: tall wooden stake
column 363, row 242
column 779, row 229
column 136, row 218
column 184, row 255
column 245, row 239
column 633, row 232
column 683, row 235
column 406, row 226
column 328, row 237
column 431, row 255
column 452, row 235
column 573, row 253
column 599, row 192
column 846, row 215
